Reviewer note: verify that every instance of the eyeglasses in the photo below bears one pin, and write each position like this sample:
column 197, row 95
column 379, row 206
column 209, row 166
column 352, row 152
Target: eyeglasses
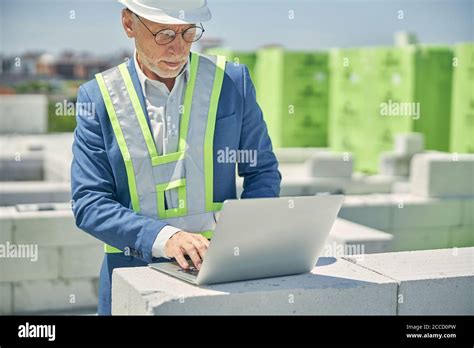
column 167, row 35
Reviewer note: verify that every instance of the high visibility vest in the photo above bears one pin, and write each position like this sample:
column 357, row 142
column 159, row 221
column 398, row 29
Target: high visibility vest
column 190, row 168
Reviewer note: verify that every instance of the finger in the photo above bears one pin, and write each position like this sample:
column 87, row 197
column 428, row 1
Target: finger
column 191, row 250
column 179, row 256
column 202, row 239
column 200, row 246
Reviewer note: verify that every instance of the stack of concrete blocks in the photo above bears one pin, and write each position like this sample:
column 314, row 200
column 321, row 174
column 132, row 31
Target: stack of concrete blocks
column 397, row 162
column 438, row 213
column 26, row 113
column 63, row 277
column 415, row 222
column 36, row 157
column 18, row 166
column 434, row 282
column 307, row 171
column 368, row 184
column 13, row 193
column 350, row 239
column 450, row 178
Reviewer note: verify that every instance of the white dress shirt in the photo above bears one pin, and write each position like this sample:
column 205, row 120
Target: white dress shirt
column 162, row 107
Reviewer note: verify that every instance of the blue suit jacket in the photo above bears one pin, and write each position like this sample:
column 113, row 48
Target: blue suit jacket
column 102, row 205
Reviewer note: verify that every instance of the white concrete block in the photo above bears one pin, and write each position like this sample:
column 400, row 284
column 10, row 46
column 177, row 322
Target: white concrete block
column 6, row 298
column 393, row 164
column 467, row 211
column 442, row 175
column 81, row 261
column 37, row 263
column 53, row 228
column 297, row 154
column 333, row 287
column 368, row 184
column 6, row 224
column 401, row 187
column 349, row 238
column 432, row 282
column 12, row 193
column 305, row 186
column 408, row 144
column 461, row 236
column 21, row 166
column 58, row 168
column 368, row 210
column 26, row 113
column 411, row 211
column 420, row 238
column 329, row 165
column 51, row 295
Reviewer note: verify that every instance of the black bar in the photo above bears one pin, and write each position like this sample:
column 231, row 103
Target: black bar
column 291, row 330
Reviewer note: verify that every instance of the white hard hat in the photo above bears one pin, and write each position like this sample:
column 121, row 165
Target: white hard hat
column 170, row 11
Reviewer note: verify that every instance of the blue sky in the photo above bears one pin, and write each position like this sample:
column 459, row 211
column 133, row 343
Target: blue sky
column 27, row 25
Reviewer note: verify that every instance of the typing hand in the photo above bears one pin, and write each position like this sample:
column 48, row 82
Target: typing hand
column 187, row 243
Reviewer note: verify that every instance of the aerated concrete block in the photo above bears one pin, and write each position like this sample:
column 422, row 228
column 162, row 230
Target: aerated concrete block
column 412, row 211
column 28, row 192
column 297, row 154
column 21, row 166
column 401, row 187
column 461, row 236
column 6, row 225
column 408, row 144
column 49, row 228
column 369, row 184
column 352, row 239
column 26, row 113
column 6, row 296
column 420, row 238
column 51, row 295
column 393, row 164
column 58, row 168
column 333, row 287
column 81, row 261
column 329, row 165
column 432, row 282
column 368, row 210
column 442, row 175
column 468, row 211
column 35, row 263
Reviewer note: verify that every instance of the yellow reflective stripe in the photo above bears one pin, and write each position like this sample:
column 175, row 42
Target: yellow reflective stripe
column 182, row 208
column 111, row 250
column 121, row 143
column 209, row 138
column 138, row 110
column 123, row 150
column 170, row 157
column 188, row 99
column 207, row 234
column 170, row 185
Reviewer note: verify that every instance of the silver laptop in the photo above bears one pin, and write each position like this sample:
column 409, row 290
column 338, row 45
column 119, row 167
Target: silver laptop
column 261, row 238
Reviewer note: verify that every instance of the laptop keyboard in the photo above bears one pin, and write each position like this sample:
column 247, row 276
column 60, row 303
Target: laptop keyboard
column 191, row 270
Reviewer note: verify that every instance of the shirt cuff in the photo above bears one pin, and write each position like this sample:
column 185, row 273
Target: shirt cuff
column 159, row 246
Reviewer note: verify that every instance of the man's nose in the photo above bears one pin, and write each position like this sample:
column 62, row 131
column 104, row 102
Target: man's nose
column 177, row 45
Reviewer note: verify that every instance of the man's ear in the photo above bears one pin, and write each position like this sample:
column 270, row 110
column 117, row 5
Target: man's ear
column 127, row 22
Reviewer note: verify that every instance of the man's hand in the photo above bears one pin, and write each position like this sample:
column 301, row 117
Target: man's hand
column 186, row 243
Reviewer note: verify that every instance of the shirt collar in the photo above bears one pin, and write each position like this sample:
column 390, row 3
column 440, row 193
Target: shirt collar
column 143, row 78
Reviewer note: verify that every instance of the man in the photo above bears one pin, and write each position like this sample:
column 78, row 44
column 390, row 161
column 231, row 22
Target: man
column 146, row 175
